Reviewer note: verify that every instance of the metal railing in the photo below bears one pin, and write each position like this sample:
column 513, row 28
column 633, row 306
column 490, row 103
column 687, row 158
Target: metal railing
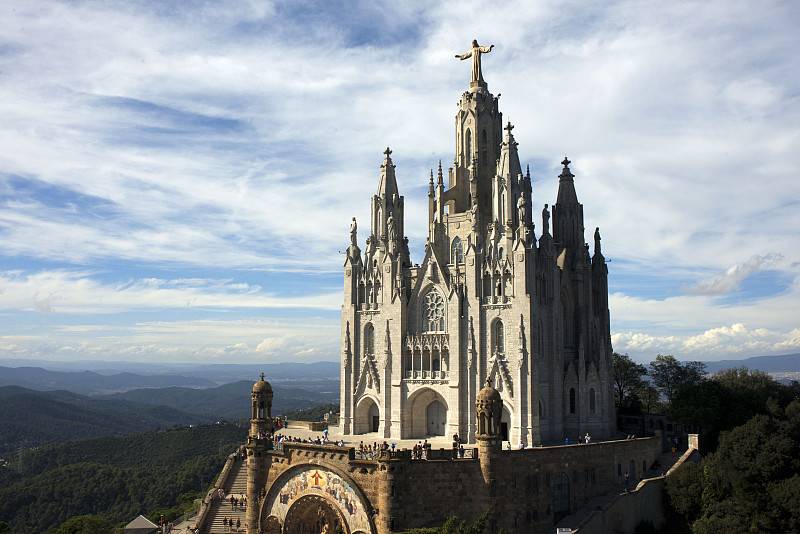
column 424, row 454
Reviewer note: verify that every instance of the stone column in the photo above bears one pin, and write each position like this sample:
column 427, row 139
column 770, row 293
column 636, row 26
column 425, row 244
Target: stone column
column 258, row 464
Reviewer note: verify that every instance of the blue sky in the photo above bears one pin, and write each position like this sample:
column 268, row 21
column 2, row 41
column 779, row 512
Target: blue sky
column 177, row 178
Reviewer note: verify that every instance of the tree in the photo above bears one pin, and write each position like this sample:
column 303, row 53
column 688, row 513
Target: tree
column 650, row 399
column 669, row 375
column 729, row 399
column 627, row 379
column 85, row 524
column 750, row 484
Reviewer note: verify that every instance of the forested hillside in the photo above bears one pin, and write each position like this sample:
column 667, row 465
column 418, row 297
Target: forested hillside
column 32, row 418
column 116, row 477
column 230, row 401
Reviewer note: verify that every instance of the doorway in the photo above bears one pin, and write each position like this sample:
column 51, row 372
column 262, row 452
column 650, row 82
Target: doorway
column 374, row 418
column 437, row 418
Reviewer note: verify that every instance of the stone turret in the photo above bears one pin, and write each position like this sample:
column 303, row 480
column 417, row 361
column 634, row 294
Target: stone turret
column 261, row 418
column 489, row 408
column 258, row 443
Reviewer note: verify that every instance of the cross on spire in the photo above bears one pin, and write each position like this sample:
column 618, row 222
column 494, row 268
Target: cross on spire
column 262, row 377
column 509, row 127
column 387, row 152
column 566, row 161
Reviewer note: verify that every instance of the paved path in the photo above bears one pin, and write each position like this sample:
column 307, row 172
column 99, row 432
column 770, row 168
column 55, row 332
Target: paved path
column 437, row 442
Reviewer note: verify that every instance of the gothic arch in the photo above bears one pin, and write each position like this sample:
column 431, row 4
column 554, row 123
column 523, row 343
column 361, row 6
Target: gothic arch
column 498, row 345
column 457, row 251
column 561, row 497
column 415, row 414
column 369, row 339
column 364, row 421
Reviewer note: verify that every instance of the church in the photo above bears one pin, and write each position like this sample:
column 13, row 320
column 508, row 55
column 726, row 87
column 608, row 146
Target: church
column 494, row 300
column 499, row 334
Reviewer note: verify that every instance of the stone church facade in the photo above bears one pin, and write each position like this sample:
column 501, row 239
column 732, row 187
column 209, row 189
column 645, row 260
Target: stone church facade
column 490, row 300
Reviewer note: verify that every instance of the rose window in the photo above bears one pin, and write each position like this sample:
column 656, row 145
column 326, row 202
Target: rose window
column 433, row 312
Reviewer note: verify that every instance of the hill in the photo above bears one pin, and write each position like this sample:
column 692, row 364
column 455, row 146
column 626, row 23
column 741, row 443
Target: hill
column 114, row 376
column 89, row 382
column 787, row 363
column 33, row 418
column 117, row 477
column 231, row 401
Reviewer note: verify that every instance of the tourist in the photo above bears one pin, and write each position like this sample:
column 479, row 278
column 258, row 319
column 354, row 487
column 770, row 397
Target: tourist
column 238, row 524
column 521, row 445
column 225, row 522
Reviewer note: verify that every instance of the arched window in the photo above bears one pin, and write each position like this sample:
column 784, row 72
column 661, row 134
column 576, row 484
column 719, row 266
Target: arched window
column 433, row 310
column 541, row 409
column 369, row 339
column 468, row 155
column 591, row 401
column 571, row 400
column 500, row 254
column 484, row 148
column 457, row 251
column 498, row 342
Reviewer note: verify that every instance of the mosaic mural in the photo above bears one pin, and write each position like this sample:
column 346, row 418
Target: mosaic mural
column 313, row 480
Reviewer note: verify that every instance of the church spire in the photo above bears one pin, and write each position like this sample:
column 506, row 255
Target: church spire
column 567, row 212
column 387, row 207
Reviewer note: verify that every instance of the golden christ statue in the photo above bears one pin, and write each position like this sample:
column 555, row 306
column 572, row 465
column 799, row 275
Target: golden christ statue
column 475, row 54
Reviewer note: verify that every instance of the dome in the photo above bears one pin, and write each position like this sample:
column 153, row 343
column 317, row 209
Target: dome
column 262, row 386
column 488, row 394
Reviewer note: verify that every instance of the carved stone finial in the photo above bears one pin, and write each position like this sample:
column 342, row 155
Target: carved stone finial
column 565, row 162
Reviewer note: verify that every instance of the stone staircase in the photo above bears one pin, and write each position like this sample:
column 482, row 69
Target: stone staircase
column 236, row 485
column 659, row 468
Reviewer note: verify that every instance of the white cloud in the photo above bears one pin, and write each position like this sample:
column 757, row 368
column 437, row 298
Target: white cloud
column 75, row 292
column 734, row 341
column 730, row 280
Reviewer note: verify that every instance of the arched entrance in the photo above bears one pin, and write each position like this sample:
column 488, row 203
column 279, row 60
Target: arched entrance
column 437, row 418
column 308, row 497
column 425, row 414
column 560, row 497
column 313, row 514
column 367, row 417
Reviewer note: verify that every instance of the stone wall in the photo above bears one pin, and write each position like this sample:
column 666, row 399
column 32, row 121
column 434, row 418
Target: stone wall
column 400, row 493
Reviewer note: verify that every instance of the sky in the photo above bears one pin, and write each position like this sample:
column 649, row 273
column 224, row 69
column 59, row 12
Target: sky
column 177, row 179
